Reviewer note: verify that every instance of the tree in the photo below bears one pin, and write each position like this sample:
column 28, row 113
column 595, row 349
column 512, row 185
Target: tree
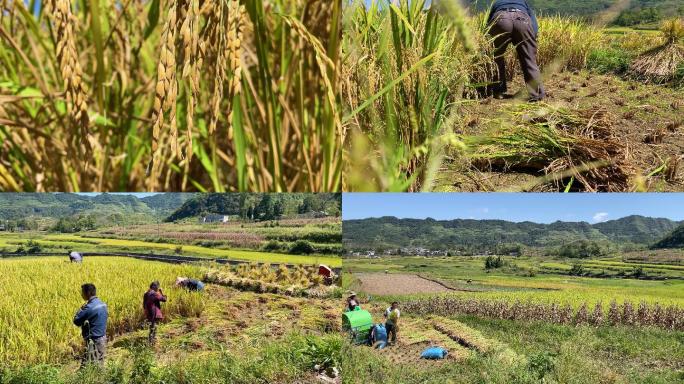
column 264, row 210
column 278, row 209
column 492, row 262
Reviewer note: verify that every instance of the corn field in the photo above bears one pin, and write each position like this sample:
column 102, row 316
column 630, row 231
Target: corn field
column 170, row 95
column 41, row 295
column 644, row 314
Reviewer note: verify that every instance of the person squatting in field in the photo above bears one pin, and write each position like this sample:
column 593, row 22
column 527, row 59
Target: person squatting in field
column 352, row 302
column 514, row 21
column 92, row 318
column 392, row 315
column 152, row 305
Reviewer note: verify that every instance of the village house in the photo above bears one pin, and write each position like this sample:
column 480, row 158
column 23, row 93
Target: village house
column 213, row 218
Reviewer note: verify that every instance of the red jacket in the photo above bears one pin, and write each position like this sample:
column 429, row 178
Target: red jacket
column 152, row 305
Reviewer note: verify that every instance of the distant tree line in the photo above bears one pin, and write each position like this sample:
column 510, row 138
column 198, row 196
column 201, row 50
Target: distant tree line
column 76, row 223
column 260, row 206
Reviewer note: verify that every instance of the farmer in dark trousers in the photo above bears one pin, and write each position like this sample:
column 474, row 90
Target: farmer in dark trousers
column 92, row 318
column 513, row 21
column 392, row 315
column 152, row 305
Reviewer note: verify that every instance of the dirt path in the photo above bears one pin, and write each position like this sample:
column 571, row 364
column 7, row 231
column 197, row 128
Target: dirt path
column 397, row 284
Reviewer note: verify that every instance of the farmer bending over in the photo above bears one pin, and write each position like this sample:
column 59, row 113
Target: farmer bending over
column 513, row 21
column 92, row 318
column 189, row 284
column 152, row 305
column 75, row 257
column 391, row 323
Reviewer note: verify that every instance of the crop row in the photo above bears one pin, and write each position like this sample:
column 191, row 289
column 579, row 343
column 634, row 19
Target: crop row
column 656, row 315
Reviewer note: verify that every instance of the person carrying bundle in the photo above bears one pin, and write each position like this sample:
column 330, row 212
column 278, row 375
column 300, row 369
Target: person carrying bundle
column 514, row 21
column 152, row 305
column 92, row 318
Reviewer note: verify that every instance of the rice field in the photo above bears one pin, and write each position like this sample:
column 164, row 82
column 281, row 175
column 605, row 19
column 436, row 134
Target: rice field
column 170, row 94
column 41, row 296
column 510, row 325
column 64, row 242
column 542, row 286
column 418, row 116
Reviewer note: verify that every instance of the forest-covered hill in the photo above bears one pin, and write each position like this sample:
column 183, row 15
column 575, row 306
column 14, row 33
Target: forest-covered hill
column 259, row 206
column 392, row 233
column 16, row 206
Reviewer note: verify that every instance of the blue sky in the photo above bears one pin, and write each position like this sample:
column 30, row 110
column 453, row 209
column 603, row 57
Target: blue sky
column 539, row 208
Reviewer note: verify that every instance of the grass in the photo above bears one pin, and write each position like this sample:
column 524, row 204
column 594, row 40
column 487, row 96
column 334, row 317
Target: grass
column 551, row 353
column 99, row 97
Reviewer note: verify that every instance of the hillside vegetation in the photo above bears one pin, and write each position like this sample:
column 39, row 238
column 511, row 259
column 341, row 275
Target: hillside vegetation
column 259, row 206
column 393, row 233
column 645, row 13
column 673, row 240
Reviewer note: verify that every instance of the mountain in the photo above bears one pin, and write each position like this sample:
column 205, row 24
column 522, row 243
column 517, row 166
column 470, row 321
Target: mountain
column 166, row 203
column 391, row 232
column 636, row 229
column 55, row 205
column 675, row 239
column 264, row 206
column 17, row 206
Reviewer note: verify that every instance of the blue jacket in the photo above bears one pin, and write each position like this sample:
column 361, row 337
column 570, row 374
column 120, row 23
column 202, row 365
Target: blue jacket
column 515, row 4
column 95, row 312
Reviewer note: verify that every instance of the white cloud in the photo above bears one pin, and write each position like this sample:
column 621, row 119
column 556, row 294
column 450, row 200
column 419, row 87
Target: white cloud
column 600, row 217
column 485, row 210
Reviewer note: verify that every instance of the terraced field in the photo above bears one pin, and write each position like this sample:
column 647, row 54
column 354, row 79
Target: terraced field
column 531, row 279
column 65, row 242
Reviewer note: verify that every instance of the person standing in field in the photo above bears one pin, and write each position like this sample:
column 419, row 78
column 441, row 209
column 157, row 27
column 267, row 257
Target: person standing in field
column 392, row 315
column 92, row 318
column 514, row 21
column 152, row 305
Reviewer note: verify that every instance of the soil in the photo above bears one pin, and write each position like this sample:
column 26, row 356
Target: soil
column 397, row 284
column 647, row 119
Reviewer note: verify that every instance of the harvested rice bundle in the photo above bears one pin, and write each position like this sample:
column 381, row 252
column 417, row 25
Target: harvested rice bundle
column 556, row 141
column 660, row 64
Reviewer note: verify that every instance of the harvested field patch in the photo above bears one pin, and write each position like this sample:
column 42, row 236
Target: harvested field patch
column 628, row 133
column 397, row 284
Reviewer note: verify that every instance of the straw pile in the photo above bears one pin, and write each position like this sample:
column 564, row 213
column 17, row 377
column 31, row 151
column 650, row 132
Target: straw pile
column 579, row 146
column 660, row 64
